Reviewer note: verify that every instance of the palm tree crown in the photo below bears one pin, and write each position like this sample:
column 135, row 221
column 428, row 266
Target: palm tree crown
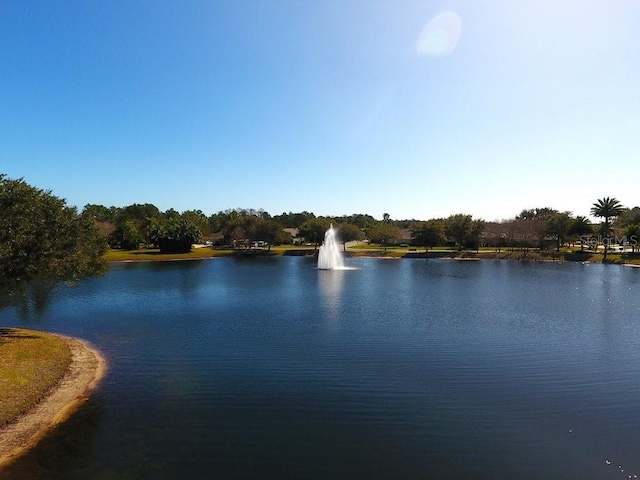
column 607, row 208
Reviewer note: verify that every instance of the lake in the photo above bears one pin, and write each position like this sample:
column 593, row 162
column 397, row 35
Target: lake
column 412, row 368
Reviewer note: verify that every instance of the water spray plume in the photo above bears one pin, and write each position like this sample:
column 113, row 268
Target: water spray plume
column 330, row 256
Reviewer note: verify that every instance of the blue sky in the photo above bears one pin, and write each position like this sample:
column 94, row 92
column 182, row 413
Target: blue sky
column 419, row 109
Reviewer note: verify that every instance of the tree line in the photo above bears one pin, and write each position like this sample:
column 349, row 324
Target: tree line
column 138, row 224
column 144, row 224
column 41, row 236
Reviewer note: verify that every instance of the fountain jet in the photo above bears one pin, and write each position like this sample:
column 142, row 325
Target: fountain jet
column 330, row 256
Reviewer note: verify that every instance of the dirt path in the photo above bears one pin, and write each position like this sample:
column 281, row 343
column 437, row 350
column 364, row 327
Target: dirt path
column 85, row 372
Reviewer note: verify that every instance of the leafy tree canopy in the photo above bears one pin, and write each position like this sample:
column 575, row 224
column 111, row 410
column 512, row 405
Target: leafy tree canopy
column 42, row 237
column 428, row 234
column 348, row 232
column 384, row 233
column 458, row 227
column 174, row 234
column 313, row 230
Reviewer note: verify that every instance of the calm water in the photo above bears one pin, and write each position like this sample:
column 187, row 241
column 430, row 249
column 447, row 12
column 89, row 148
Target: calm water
column 269, row 368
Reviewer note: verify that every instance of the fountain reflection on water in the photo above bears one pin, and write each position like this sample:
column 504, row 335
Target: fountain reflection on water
column 330, row 256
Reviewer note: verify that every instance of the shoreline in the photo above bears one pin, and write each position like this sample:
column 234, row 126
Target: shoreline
column 83, row 376
column 432, row 254
column 116, row 256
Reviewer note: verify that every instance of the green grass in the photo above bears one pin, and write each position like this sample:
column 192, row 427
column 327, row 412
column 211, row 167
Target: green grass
column 282, row 249
column 31, row 363
column 153, row 254
column 373, row 250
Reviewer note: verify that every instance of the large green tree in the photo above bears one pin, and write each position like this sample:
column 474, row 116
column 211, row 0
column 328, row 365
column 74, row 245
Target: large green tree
column 174, row 234
column 128, row 235
column 428, row 234
column 384, row 233
column 269, row 231
column 131, row 224
column 240, row 230
column 42, row 237
column 199, row 219
column 348, row 232
column 581, row 227
column 313, row 230
column 474, row 236
column 606, row 208
column 558, row 226
column 458, row 227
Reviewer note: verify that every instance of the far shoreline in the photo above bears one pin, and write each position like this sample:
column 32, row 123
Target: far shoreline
column 152, row 255
column 81, row 379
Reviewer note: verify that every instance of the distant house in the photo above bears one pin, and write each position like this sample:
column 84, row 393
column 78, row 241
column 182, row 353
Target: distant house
column 294, row 234
column 214, row 238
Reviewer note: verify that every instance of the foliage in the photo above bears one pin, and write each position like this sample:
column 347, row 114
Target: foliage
column 632, row 232
column 361, row 220
column 199, row 219
column 174, row 234
column 126, row 227
column 128, row 235
column 458, row 228
column 240, row 229
column 293, row 220
column 630, row 216
column 606, row 208
column 558, row 226
column 42, row 237
column 130, row 227
column 472, row 240
column 428, row 234
column 271, row 232
column 100, row 213
column 580, row 227
column 542, row 213
column 313, row 230
column 348, row 232
column 384, row 233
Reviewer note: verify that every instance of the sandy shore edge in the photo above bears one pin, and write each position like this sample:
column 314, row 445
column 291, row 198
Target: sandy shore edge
column 83, row 376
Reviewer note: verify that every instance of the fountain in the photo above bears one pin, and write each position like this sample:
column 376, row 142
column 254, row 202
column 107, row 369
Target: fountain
column 330, row 256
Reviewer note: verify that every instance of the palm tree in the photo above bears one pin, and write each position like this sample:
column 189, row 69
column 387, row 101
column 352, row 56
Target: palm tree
column 606, row 208
column 583, row 228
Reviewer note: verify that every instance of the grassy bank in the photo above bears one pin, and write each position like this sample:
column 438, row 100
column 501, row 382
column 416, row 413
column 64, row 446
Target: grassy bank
column 31, row 363
column 198, row 253
column 153, row 254
column 371, row 250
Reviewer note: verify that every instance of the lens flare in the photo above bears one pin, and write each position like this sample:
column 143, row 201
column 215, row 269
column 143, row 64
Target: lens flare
column 440, row 36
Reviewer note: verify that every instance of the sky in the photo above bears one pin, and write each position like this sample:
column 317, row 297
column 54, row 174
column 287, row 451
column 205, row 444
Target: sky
column 418, row 109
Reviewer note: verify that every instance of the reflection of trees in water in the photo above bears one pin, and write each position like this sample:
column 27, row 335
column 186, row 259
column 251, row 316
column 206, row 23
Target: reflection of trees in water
column 63, row 450
column 30, row 299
